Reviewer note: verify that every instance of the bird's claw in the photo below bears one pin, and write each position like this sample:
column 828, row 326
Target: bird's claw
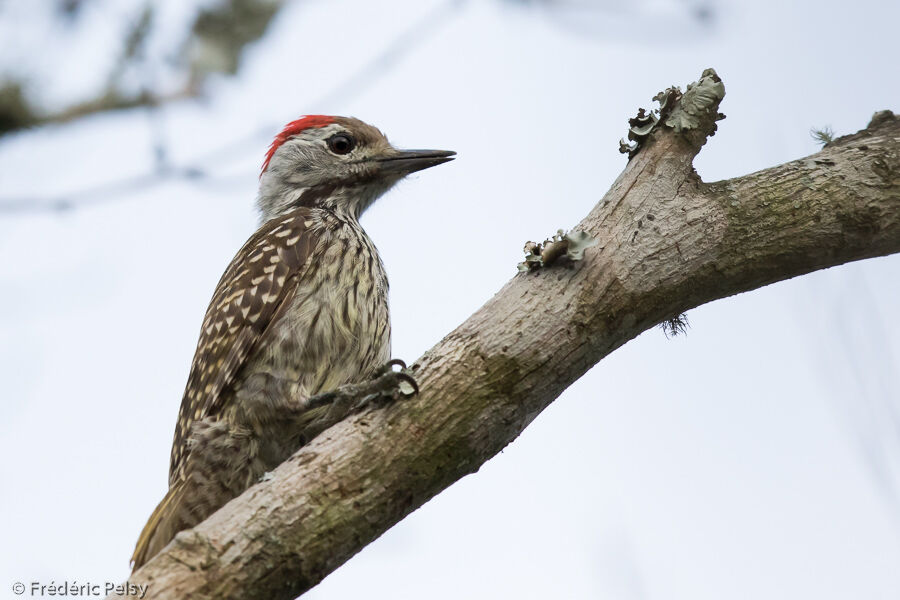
column 389, row 386
column 395, row 380
column 412, row 386
column 388, row 367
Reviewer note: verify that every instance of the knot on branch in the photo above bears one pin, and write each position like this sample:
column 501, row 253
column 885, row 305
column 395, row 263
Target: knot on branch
column 693, row 112
column 880, row 118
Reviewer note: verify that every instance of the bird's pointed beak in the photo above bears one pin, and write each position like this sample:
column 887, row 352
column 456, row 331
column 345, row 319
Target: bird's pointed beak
column 404, row 162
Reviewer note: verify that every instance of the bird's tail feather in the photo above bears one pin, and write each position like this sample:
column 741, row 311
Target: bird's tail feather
column 156, row 534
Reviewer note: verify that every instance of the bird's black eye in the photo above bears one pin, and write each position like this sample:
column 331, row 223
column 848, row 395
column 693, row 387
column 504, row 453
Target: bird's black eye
column 341, row 143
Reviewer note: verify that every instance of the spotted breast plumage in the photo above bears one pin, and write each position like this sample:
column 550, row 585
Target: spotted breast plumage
column 314, row 348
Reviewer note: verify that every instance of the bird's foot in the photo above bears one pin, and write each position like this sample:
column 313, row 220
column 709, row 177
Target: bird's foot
column 389, row 366
column 324, row 410
column 388, row 385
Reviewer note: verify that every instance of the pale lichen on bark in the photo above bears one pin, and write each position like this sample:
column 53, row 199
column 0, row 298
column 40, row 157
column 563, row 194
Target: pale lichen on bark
column 570, row 246
column 691, row 110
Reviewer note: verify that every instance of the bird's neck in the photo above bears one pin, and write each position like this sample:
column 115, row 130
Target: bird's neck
column 277, row 198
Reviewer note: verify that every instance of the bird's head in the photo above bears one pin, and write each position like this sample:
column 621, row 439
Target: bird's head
column 338, row 163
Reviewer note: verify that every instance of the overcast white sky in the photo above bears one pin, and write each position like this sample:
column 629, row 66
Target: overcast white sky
column 757, row 457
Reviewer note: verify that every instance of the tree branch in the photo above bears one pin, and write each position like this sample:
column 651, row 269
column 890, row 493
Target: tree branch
column 217, row 39
column 668, row 243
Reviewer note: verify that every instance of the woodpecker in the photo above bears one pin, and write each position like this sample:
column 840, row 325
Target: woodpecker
column 298, row 328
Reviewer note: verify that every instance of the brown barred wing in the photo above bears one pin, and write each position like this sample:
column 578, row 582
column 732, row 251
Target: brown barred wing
column 260, row 280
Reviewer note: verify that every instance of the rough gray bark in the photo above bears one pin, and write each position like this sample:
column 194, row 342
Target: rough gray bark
column 667, row 242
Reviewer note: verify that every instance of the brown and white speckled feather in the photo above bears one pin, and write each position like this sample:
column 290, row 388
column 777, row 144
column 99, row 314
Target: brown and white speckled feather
column 276, row 332
column 261, row 279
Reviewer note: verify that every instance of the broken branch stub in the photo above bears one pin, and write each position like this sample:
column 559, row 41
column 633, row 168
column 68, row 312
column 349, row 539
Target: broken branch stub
column 686, row 113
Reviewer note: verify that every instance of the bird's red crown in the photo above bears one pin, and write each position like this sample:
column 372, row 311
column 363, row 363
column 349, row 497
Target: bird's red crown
column 293, row 128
